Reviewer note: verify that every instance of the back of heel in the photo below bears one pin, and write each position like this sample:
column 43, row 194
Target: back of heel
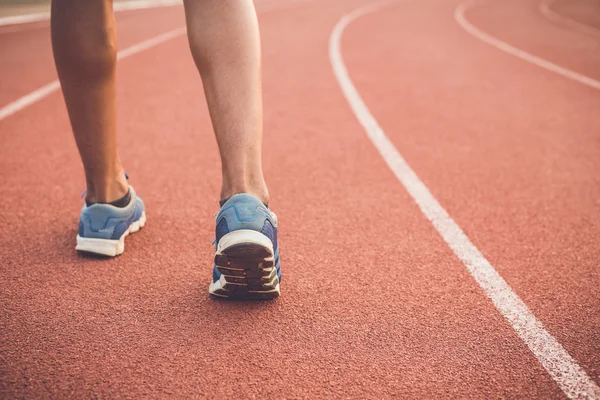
column 103, row 247
column 245, row 260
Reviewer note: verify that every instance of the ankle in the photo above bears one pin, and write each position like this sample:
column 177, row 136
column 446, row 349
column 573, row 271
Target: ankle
column 106, row 189
column 260, row 191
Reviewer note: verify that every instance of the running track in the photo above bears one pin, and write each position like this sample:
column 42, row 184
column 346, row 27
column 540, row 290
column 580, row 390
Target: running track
column 375, row 301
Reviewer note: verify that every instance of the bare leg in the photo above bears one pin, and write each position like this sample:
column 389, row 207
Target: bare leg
column 84, row 45
column 225, row 43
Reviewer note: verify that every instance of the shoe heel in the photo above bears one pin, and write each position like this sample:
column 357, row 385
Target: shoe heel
column 109, row 247
column 246, row 263
column 103, row 247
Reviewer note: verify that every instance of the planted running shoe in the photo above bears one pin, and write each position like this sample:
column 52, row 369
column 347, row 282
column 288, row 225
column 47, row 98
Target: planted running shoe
column 247, row 256
column 103, row 227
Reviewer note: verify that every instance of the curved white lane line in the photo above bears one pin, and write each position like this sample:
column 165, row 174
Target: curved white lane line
column 31, row 98
column 53, row 86
column 459, row 15
column 118, row 6
column 553, row 16
column 14, row 22
column 571, row 378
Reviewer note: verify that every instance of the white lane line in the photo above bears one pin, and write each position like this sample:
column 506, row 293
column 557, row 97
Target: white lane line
column 118, row 6
column 24, row 19
column 459, row 15
column 31, row 98
column 553, row 16
column 14, row 22
column 571, row 378
column 136, row 48
column 140, row 4
column 53, row 86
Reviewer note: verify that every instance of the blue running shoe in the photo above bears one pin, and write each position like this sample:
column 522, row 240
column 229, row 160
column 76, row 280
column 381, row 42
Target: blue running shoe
column 247, row 256
column 103, row 227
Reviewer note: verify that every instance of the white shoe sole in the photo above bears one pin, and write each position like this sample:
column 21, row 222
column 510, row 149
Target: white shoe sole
column 245, row 259
column 108, row 247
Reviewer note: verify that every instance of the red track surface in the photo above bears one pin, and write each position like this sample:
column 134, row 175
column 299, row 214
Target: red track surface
column 374, row 303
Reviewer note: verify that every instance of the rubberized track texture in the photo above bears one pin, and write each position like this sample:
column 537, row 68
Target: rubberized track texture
column 434, row 167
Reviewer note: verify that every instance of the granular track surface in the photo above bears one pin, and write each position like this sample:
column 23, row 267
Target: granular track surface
column 374, row 303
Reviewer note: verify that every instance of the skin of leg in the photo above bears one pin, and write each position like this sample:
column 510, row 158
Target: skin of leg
column 225, row 43
column 85, row 54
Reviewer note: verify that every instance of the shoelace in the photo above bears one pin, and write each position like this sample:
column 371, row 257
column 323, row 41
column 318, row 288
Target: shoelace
column 85, row 191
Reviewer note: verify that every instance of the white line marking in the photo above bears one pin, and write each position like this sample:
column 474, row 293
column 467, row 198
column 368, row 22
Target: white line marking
column 136, row 48
column 561, row 19
column 571, row 378
column 140, row 4
column 16, row 20
column 31, row 98
column 459, row 15
column 53, row 86
column 25, row 18
column 120, row 6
